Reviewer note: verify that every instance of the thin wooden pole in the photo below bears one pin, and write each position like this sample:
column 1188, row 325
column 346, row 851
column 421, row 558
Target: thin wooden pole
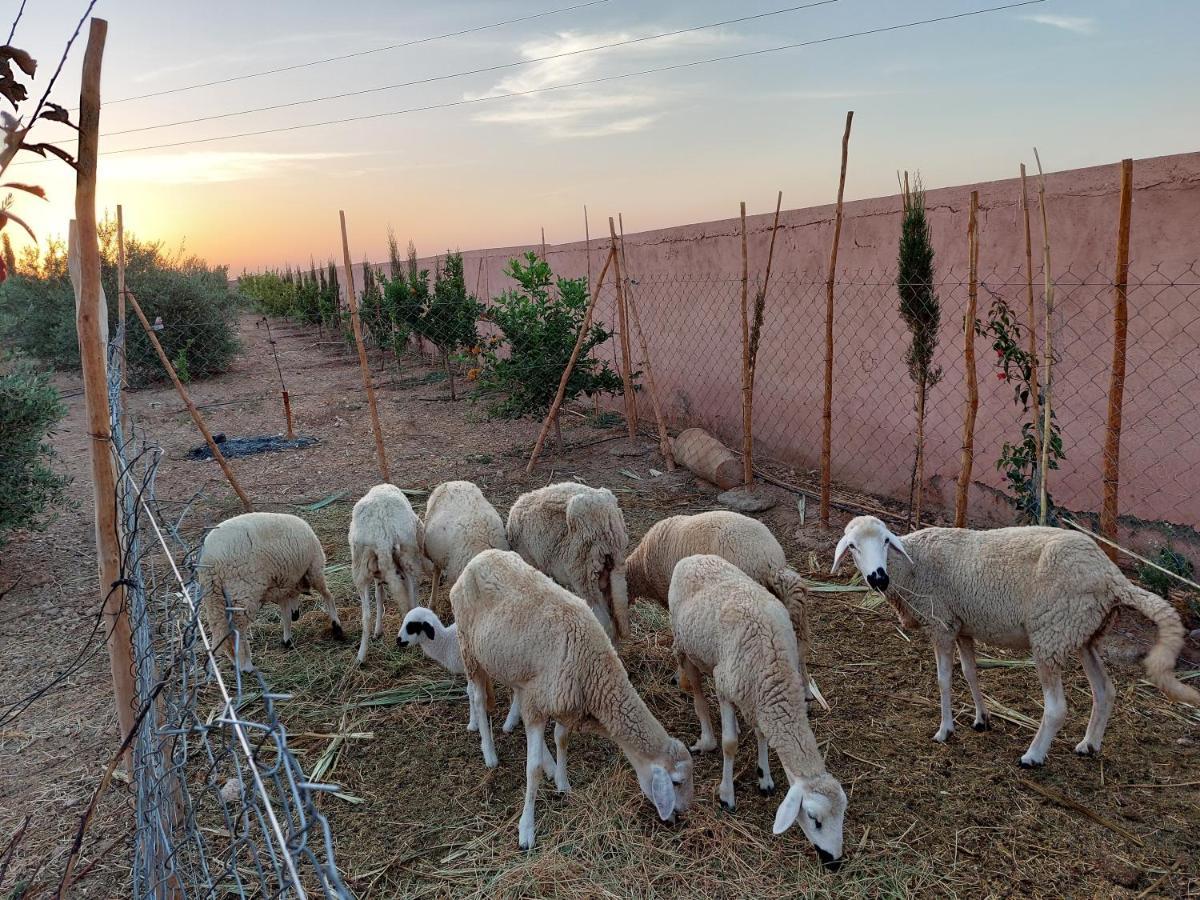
column 968, row 443
column 827, row 411
column 91, row 322
column 121, row 298
column 587, row 244
column 1034, row 375
column 552, row 415
column 187, row 401
column 627, row 299
column 1048, row 279
column 760, row 305
column 747, row 403
column 664, row 440
column 543, row 244
column 362, row 352
column 623, row 324
column 1116, row 385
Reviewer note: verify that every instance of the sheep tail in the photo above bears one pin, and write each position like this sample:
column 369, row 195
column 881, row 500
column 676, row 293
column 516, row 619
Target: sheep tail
column 1160, row 661
column 788, row 586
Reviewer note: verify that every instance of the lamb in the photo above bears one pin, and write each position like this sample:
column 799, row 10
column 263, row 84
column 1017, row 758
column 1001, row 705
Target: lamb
column 576, row 535
column 726, row 624
column 386, row 547
column 459, row 523
column 745, row 542
column 1045, row 590
column 258, row 558
column 440, row 643
column 518, row 627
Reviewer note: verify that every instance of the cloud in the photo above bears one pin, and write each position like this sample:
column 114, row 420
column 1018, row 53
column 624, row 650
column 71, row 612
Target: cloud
column 1077, row 24
column 591, row 110
column 212, row 166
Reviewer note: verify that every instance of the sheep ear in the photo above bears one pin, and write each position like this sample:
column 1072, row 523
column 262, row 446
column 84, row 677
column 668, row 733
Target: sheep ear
column 837, row 554
column 428, row 629
column 789, row 809
column 898, row 545
column 662, row 792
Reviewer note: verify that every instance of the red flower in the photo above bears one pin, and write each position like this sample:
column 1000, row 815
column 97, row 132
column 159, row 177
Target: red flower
column 1003, row 376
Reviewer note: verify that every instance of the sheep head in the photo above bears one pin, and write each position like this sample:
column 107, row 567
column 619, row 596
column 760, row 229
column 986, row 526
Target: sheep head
column 666, row 779
column 820, row 805
column 419, row 626
column 597, row 537
column 868, row 540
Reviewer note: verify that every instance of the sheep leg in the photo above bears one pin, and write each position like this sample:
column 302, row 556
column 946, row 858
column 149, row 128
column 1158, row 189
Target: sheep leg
column 943, row 652
column 514, row 714
column 477, row 693
column 1052, row 717
column 410, row 580
column 535, row 738
column 472, row 724
column 435, row 582
column 549, row 763
column 379, row 595
column 560, row 758
column 1102, row 700
column 316, row 578
column 707, row 740
column 285, row 616
column 966, row 659
column 729, row 740
column 364, row 600
column 766, row 784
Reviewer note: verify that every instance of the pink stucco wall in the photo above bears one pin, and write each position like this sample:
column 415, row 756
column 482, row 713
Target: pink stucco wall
column 688, row 292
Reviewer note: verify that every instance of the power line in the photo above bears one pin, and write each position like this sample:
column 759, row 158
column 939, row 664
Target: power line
column 607, row 78
column 358, row 53
column 496, row 68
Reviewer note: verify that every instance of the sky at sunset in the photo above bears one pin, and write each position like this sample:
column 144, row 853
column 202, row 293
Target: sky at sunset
column 963, row 101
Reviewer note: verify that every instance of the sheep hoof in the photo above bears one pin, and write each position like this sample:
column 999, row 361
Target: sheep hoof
column 983, row 725
column 728, row 807
column 296, row 615
column 1030, row 763
column 335, row 629
column 766, row 789
column 704, row 745
column 943, row 735
column 1083, row 748
column 287, row 643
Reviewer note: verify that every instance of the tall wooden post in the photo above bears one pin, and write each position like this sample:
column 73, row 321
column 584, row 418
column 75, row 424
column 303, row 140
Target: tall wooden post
column 747, row 403
column 623, row 324
column 1116, row 385
column 91, row 322
column 972, row 409
column 1031, row 313
column 121, row 296
column 1048, row 279
column 352, row 303
column 827, row 411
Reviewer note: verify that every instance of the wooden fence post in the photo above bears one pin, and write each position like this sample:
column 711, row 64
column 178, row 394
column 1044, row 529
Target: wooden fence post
column 747, row 403
column 566, row 375
column 623, row 323
column 1047, row 409
column 1031, row 313
column 750, row 345
column 1116, row 386
column 968, row 442
column 352, row 302
column 91, row 322
column 121, row 296
column 827, row 411
column 187, row 401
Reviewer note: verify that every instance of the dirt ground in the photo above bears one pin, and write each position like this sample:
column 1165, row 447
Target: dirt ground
column 923, row 818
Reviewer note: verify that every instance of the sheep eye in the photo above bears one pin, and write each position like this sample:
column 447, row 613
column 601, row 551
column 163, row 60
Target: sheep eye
column 816, row 822
column 852, row 548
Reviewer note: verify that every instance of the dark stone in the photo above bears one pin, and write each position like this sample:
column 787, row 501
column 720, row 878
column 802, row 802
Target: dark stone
column 747, row 500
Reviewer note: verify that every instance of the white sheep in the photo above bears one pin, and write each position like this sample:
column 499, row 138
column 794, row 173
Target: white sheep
column 459, row 523
column 518, row 627
column 1045, row 590
column 386, row 548
column 726, row 624
column 258, row 558
column 421, row 626
column 576, row 535
column 745, row 542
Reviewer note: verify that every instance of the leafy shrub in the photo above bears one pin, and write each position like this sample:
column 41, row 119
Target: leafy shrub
column 272, row 294
column 29, row 409
column 449, row 322
column 539, row 333
column 1171, row 560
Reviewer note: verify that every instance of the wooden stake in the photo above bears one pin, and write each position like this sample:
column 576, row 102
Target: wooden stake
column 968, row 444
column 287, row 412
column 543, row 245
column 623, row 324
column 362, row 352
column 91, row 322
column 587, row 244
column 747, row 390
column 1116, row 385
column 552, row 415
column 187, row 401
column 664, row 441
column 1048, row 279
column 121, row 302
column 1034, row 378
column 827, row 411
column 760, row 305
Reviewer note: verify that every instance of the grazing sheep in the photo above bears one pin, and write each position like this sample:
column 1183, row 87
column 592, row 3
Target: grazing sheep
column 576, row 535
column 1045, row 590
column 258, row 558
column 459, row 523
column 518, row 627
column 440, row 643
column 745, row 542
column 728, row 625
column 386, row 546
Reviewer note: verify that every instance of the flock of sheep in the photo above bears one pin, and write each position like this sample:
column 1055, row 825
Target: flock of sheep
column 541, row 605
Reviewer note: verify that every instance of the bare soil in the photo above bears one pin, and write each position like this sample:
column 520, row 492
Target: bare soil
column 923, row 818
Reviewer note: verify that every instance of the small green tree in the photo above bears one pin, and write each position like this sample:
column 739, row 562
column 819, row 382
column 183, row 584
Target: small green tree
column 449, row 322
column 539, row 334
column 921, row 312
column 29, row 409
